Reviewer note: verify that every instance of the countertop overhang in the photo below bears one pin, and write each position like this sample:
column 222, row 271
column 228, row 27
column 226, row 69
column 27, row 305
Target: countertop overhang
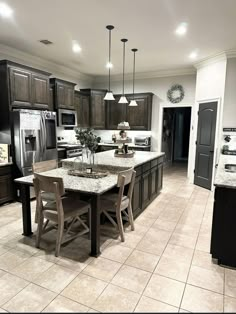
column 224, row 178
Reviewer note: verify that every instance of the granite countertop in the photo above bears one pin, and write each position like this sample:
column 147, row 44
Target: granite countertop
column 108, row 158
column 129, row 144
column 96, row 186
column 60, row 149
column 3, row 164
column 224, row 178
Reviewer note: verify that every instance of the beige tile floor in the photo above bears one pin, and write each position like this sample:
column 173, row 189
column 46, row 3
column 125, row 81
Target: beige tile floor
column 163, row 266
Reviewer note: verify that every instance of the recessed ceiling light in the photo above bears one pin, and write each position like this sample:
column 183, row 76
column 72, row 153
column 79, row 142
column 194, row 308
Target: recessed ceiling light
column 5, row 10
column 76, row 47
column 109, row 65
column 181, row 29
column 193, row 55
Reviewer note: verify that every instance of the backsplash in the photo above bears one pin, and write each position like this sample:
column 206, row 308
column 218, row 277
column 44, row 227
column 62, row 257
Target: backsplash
column 106, row 135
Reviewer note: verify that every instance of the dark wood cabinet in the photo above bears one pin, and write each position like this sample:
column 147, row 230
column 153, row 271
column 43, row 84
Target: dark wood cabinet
column 40, row 91
column 6, row 184
column 51, row 107
column 92, row 108
column 137, row 196
column 139, row 117
column 83, row 109
column 115, row 113
column 63, row 94
column 159, row 177
column 20, row 87
column 145, row 189
column 153, row 182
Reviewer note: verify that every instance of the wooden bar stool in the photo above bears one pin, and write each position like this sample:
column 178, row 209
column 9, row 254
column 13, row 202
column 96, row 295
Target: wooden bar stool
column 116, row 204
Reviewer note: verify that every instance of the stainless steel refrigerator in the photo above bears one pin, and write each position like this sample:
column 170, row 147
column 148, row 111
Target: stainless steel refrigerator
column 34, row 138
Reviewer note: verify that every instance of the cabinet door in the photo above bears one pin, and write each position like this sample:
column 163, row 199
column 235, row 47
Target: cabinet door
column 153, row 182
column 51, row 100
column 69, row 97
column 145, row 189
column 60, row 96
column 137, row 193
column 139, row 117
column 85, row 111
column 97, row 110
column 78, row 108
column 40, row 91
column 116, row 113
column 6, row 188
column 159, row 177
column 20, row 88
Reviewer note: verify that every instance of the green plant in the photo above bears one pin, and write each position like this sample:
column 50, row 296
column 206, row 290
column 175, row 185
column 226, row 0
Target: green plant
column 87, row 138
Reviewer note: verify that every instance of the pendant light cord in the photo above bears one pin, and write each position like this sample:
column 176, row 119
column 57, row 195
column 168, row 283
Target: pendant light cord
column 133, row 74
column 109, row 60
column 123, row 92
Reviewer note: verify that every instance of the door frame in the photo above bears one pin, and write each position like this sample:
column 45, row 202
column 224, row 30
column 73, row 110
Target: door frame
column 162, row 107
column 219, row 116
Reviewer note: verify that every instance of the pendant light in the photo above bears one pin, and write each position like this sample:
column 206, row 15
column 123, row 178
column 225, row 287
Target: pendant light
column 123, row 99
column 109, row 95
column 133, row 102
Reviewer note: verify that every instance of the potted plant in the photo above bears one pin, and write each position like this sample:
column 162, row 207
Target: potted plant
column 89, row 141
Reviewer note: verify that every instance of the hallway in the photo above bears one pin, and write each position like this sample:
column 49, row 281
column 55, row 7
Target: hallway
column 163, row 266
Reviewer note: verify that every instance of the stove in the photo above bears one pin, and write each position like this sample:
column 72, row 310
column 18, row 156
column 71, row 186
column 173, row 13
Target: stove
column 72, row 150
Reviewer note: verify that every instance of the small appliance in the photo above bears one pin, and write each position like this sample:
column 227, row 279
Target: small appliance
column 67, row 118
column 142, row 140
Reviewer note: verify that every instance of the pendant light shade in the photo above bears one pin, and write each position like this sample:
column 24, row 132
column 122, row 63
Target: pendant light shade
column 123, row 99
column 109, row 95
column 133, row 102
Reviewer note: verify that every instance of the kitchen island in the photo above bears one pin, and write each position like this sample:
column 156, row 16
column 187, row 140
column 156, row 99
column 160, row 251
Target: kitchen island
column 148, row 183
column 224, row 215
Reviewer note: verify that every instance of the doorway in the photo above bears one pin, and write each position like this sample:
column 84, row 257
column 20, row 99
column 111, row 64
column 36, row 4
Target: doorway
column 175, row 135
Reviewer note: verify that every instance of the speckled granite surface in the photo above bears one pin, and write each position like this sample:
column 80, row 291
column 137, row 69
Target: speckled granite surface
column 224, row 178
column 96, row 186
column 107, row 158
column 129, row 144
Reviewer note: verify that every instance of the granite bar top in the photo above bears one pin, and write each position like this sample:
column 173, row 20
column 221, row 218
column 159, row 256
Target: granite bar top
column 224, row 178
column 129, row 144
column 108, row 158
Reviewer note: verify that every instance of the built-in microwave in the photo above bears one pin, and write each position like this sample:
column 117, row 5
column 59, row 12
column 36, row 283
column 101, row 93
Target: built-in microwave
column 67, row 118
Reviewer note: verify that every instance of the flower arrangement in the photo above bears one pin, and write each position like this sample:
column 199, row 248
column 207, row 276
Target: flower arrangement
column 87, row 138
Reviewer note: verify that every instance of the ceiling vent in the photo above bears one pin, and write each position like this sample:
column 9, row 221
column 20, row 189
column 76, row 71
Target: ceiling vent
column 46, row 42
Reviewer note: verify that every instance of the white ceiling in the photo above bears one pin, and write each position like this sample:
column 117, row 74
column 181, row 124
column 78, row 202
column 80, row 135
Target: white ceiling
column 149, row 26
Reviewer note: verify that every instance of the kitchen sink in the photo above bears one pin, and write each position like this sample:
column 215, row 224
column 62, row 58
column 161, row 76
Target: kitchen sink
column 230, row 167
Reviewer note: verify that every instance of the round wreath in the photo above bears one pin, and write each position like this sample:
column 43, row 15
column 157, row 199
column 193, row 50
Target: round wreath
column 175, row 94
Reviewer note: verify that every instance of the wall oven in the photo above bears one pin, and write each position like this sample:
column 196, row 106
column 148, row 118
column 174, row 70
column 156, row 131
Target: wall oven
column 67, row 118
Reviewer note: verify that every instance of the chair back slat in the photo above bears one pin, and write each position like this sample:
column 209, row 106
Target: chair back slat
column 43, row 166
column 128, row 176
column 46, row 184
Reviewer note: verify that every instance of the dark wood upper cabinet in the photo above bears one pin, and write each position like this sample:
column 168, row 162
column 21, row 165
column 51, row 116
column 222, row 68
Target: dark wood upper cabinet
column 40, row 91
column 63, row 94
column 82, row 108
column 92, row 105
column 20, row 87
column 139, row 117
column 6, row 184
column 116, row 113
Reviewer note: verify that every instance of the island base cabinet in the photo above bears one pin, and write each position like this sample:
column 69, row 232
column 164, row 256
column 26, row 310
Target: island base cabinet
column 145, row 189
column 223, row 233
column 137, row 196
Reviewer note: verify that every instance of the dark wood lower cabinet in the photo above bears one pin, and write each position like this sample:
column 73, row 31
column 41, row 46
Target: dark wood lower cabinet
column 6, row 185
column 148, row 183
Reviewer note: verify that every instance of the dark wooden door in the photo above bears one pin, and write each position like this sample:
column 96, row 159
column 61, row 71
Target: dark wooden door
column 97, row 110
column 145, row 189
column 116, row 113
column 20, row 88
column 205, row 144
column 40, row 91
column 139, row 117
column 137, row 196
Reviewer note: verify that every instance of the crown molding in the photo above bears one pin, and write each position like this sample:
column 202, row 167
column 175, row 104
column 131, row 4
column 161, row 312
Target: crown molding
column 221, row 56
column 56, row 69
column 230, row 53
column 148, row 75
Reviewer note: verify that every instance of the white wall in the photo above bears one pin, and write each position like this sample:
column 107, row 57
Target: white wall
column 229, row 112
column 159, row 87
column 210, row 85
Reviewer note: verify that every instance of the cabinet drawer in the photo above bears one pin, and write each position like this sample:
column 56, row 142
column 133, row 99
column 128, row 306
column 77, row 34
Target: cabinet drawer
column 146, row 166
column 160, row 160
column 138, row 171
column 154, row 163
